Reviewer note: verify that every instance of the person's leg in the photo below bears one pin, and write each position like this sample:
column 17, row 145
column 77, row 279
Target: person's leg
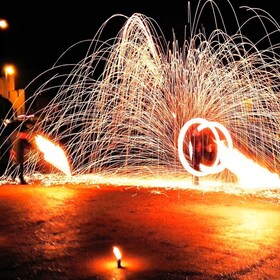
column 196, row 163
column 21, row 161
column 21, row 172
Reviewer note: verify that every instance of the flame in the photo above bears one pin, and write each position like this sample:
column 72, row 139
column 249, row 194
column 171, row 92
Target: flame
column 53, row 154
column 117, row 253
column 249, row 173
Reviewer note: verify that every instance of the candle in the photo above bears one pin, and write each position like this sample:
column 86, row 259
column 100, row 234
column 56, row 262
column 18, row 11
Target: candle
column 105, row 265
column 118, row 256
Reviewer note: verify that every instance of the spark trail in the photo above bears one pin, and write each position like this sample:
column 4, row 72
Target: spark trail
column 120, row 109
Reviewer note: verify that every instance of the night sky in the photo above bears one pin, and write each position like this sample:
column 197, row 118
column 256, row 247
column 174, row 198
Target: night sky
column 39, row 33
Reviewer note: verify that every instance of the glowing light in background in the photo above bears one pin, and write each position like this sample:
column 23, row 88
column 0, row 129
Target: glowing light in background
column 9, row 69
column 3, row 24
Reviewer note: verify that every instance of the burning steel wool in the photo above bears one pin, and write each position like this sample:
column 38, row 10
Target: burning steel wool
column 126, row 120
column 53, row 154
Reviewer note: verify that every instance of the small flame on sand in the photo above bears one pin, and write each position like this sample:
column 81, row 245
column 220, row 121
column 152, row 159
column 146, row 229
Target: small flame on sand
column 53, row 154
column 117, row 253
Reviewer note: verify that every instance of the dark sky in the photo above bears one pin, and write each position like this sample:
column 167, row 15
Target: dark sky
column 40, row 32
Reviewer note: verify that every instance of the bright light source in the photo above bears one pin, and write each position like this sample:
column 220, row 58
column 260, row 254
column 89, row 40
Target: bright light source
column 3, row 24
column 118, row 255
column 9, row 69
column 53, row 154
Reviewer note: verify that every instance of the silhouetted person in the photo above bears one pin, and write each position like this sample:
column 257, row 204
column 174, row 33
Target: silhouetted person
column 196, row 141
column 20, row 143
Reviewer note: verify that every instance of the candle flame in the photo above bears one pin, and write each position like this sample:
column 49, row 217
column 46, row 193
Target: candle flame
column 117, row 253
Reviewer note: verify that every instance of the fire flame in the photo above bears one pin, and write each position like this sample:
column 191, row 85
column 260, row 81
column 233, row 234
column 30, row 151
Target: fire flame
column 117, row 253
column 249, row 173
column 53, row 154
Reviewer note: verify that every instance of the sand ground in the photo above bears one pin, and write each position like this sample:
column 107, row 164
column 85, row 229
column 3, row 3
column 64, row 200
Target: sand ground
column 68, row 232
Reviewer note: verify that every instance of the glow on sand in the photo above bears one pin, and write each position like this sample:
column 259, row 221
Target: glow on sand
column 119, row 110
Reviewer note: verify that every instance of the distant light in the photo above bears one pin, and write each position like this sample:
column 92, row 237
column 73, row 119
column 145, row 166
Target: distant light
column 9, row 69
column 3, row 24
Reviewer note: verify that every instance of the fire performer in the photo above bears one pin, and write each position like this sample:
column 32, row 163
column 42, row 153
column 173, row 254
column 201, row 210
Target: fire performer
column 21, row 141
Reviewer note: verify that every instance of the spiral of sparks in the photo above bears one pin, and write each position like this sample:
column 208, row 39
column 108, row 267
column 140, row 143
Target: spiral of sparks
column 217, row 165
column 120, row 109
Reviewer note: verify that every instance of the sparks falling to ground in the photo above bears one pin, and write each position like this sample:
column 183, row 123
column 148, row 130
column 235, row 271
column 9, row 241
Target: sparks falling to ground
column 120, row 109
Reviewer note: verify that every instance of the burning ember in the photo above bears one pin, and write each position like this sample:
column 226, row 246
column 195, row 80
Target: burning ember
column 53, row 154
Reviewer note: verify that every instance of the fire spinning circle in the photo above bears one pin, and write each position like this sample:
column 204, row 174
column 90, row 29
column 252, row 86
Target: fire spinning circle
column 203, row 124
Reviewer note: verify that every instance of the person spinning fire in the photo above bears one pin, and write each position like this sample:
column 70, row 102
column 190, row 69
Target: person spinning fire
column 196, row 141
column 21, row 142
column 204, row 150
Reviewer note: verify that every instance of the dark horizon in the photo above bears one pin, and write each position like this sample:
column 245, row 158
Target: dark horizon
column 40, row 33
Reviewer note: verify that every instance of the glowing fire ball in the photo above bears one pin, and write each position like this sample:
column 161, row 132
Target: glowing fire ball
column 217, row 165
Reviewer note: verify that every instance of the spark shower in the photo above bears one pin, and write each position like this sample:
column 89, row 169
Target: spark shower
column 120, row 109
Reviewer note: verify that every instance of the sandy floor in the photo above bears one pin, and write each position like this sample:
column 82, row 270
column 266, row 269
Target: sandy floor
column 68, row 233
